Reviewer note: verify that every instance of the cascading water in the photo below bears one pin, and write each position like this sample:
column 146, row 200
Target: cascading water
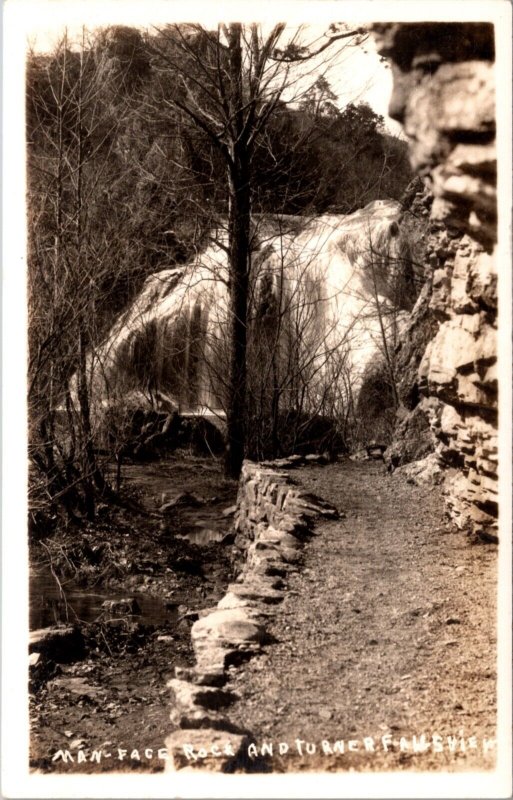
column 321, row 303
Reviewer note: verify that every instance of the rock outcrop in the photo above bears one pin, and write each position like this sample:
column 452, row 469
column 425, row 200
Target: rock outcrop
column 444, row 96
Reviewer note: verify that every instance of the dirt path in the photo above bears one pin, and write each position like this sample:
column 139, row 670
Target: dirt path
column 388, row 628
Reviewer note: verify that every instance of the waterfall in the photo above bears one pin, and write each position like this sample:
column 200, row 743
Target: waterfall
column 317, row 285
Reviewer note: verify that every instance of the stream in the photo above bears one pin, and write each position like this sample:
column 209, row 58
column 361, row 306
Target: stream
column 48, row 607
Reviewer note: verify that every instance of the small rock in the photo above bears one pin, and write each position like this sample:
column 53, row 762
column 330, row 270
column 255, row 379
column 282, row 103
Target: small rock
column 190, row 696
column 125, row 606
column 255, row 590
column 197, row 718
column 34, row 659
column 224, row 751
column 78, row 686
column 230, row 511
column 325, row 714
column 453, row 621
column 77, row 744
column 184, row 499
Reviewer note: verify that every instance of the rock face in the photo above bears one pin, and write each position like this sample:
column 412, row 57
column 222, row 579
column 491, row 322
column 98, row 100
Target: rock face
column 413, row 437
column 444, row 96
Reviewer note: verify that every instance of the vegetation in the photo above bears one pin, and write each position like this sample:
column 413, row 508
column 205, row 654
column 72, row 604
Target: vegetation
column 140, row 148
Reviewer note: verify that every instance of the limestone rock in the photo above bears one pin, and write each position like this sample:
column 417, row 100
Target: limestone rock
column 189, row 695
column 207, row 749
column 259, row 551
column 212, row 677
column 413, row 439
column 62, row 645
column 203, row 718
column 196, row 706
column 278, row 537
column 414, row 339
column 223, row 633
column 448, row 111
column 231, row 600
column 257, row 590
column 427, row 471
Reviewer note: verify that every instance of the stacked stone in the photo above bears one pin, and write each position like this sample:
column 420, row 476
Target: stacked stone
column 444, row 96
column 273, row 519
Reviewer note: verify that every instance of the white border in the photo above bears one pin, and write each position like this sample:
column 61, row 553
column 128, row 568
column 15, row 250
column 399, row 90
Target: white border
column 17, row 782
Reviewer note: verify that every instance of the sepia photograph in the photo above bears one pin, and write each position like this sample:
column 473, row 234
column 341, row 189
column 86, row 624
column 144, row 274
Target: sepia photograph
column 257, row 321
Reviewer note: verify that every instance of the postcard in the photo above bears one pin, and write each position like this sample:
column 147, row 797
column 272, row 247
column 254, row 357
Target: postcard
column 257, row 399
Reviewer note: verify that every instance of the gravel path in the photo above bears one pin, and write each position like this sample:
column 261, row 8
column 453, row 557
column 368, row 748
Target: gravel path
column 387, row 630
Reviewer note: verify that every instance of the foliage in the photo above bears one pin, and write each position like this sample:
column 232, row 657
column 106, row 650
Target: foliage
column 140, row 148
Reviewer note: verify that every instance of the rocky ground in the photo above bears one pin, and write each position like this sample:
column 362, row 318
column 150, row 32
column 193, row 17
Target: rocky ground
column 109, row 691
column 387, row 629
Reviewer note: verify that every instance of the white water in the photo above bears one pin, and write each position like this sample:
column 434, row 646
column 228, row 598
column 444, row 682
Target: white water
column 314, row 287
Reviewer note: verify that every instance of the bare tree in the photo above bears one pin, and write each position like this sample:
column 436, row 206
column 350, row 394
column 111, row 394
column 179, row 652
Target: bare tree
column 230, row 82
column 75, row 267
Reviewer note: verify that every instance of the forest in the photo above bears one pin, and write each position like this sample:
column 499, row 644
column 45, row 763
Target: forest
column 262, row 397
column 142, row 147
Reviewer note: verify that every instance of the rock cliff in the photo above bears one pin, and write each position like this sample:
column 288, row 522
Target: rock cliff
column 444, row 96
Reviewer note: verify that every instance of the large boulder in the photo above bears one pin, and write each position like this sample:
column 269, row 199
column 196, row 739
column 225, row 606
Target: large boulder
column 425, row 472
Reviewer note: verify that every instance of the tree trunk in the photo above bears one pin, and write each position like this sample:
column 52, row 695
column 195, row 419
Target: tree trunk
column 239, row 214
column 386, row 351
column 239, row 243
column 88, row 456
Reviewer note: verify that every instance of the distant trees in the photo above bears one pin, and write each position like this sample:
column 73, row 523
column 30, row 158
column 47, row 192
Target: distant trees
column 140, row 148
column 70, row 135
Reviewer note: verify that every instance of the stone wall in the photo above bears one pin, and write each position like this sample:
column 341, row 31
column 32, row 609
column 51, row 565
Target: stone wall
column 268, row 496
column 444, row 97
column 273, row 519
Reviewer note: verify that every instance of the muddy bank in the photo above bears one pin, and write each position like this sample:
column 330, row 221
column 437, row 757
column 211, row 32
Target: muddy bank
column 131, row 585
